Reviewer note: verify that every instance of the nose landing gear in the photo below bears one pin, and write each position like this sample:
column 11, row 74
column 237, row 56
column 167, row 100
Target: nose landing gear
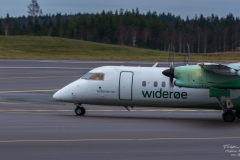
column 80, row 111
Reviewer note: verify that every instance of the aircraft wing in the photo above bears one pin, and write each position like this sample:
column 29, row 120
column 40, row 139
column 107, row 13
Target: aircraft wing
column 226, row 69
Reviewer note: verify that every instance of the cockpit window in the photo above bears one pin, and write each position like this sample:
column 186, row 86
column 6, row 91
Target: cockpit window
column 97, row 76
column 87, row 76
column 93, row 76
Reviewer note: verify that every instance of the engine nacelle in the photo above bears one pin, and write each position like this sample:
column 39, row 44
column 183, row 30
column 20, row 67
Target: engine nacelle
column 196, row 77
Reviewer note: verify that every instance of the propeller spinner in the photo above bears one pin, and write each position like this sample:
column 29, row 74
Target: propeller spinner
column 169, row 73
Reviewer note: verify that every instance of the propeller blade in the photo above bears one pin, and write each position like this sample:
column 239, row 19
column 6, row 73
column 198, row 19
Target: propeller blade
column 170, row 72
column 188, row 55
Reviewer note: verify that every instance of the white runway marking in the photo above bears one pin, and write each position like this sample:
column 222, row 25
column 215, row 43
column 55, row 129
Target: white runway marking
column 41, row 77
column 30, row 91
column 118, row 139
column 42, row 110
column 44, row 68
column 98, row 62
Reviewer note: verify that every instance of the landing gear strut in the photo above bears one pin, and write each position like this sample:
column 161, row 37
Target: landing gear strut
column 237, row 113
column 80, row 111
column 229, row 116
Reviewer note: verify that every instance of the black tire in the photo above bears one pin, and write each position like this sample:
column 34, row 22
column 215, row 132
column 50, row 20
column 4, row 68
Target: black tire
column 229, row 116
column 237, row 113
column 80, row 111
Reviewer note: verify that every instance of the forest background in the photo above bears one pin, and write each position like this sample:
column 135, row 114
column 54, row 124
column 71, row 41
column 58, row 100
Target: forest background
column 132, row 28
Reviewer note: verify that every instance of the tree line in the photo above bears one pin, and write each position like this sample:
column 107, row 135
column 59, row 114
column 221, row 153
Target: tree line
column 132, row 28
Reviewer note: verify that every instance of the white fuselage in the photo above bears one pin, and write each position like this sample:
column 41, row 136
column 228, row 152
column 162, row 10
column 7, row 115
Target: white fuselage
column 136, row 86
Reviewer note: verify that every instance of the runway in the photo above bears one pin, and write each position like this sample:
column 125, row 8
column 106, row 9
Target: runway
column 34, row 126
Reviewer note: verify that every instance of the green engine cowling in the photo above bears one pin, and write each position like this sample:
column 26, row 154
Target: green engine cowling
column 196, row 77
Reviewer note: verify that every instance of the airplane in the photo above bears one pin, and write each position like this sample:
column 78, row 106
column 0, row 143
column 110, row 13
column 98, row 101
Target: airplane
column 201, row 86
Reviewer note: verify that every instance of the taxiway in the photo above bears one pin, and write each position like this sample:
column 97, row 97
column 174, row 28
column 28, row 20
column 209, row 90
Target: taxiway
column 34, row 126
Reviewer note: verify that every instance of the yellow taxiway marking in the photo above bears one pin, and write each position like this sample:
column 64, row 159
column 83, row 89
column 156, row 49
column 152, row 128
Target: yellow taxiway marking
column 118, row 139
column 29, row 91
column 189, row 110
column 171, row 110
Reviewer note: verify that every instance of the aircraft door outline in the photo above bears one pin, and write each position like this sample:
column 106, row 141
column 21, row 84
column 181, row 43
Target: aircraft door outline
column 126, row 85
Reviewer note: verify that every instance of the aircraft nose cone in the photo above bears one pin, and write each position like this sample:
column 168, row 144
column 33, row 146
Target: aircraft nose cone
column 57, row 96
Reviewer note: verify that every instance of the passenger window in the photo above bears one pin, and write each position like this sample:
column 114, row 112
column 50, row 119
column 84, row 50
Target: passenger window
column 163, row 84
column 155, row 84
column 144, row 83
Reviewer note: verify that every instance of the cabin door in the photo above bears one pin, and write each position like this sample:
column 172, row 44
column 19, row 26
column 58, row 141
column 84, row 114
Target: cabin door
column 125, row 85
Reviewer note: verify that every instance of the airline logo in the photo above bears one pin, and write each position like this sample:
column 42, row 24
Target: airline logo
column 164, row 94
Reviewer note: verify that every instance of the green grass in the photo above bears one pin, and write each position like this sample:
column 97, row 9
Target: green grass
column 33, row 47
column 50, row 48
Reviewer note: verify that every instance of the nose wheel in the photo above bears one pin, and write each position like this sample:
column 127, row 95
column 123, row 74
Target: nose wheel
column 80, row 111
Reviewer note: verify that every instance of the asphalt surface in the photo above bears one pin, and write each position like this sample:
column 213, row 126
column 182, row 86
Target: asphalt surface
column 34, row 126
